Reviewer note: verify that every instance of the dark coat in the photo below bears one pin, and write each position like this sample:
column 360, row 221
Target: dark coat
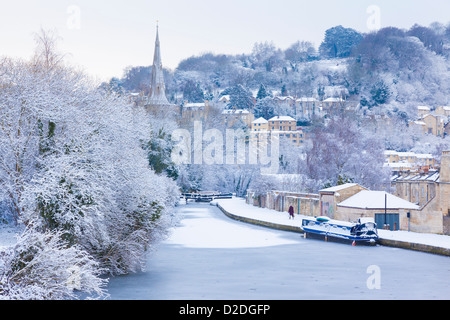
column 291, row 210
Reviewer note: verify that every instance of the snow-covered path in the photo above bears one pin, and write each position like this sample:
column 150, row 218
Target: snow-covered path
column 209, row 256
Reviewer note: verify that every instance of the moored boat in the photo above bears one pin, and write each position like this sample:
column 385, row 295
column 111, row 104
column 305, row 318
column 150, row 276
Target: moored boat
column 364, row 232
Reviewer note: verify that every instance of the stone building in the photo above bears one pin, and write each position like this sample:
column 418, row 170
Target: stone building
column 409, row 161
column 233, row 117
column 383, row 207
column 306, row 108
column 430, row 124
column 432, row 193
column 282, row 126
column 330, row 197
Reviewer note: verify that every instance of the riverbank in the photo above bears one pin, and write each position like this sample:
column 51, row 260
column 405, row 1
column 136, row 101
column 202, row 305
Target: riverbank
column 237, row 209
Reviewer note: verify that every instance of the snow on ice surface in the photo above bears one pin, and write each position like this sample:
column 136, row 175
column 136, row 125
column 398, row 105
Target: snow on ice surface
column 305, row 269
column 201, row 231
column 239, row 207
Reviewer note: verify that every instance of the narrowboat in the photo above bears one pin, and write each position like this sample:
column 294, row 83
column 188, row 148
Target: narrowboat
column 364, row 232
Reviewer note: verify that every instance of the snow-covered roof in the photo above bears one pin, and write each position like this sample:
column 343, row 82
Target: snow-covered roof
column 409, row 154
column 237, row 111
column 432, row 176
column 424, row 155
column 282, row 118
column 437, row 117
column 423, row 108
column 398, row 165
column 304, row 99
column 338, row 188
column 376, row 200
column 260, row 120
column 406, row 154
column 333, row 100
column 194, row 105
column 283, row 98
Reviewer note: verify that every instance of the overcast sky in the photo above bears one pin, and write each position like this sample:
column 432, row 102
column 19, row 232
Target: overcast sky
column 103, row 37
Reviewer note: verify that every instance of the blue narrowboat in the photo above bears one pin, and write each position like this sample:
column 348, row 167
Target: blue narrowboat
column 364, row 232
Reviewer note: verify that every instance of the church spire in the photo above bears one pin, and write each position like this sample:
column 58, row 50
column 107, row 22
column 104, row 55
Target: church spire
column 157, row 95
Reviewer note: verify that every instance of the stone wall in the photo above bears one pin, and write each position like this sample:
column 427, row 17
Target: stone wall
column 303, row 203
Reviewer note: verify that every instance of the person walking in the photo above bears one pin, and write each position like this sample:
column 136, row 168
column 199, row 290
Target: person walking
column 291, row 212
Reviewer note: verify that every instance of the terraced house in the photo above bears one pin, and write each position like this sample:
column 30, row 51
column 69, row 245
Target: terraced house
column 431, row 191
column 284, row 126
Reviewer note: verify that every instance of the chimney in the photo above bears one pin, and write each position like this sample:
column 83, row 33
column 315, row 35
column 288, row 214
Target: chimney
column 445, row 167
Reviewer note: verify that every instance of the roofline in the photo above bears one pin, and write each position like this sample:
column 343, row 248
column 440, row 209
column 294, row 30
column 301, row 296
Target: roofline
column 387, row 208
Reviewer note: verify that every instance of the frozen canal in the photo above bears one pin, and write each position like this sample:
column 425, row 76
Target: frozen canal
column 208, row 256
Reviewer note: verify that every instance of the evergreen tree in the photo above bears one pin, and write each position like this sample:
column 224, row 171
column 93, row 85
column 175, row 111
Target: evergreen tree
column 339, row 42
column 380, row 93
column 264, row 108
column 192, row 92
column 262, row 92
column 240, row 98
column 284, row 91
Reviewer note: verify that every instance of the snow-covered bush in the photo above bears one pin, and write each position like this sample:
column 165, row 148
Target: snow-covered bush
column 41, row 266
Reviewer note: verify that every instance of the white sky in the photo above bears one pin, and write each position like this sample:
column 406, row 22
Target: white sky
column 103, row 37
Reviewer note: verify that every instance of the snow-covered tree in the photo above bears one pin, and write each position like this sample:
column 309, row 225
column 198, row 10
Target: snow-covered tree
column 343, row 152
column 265, row 108
column 339, row 42
column 74, row 169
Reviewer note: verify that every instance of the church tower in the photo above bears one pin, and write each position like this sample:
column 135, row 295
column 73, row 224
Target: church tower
column 157, row 97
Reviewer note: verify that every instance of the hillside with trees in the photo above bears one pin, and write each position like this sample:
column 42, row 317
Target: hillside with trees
column 389, row 70
column 385, row 74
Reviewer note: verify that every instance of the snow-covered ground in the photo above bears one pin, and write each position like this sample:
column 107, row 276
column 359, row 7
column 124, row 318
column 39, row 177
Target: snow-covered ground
column 237, row 206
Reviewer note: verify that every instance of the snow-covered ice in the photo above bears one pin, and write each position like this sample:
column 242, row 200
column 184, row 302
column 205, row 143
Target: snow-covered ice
column 203, row 231
column 210, row 256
